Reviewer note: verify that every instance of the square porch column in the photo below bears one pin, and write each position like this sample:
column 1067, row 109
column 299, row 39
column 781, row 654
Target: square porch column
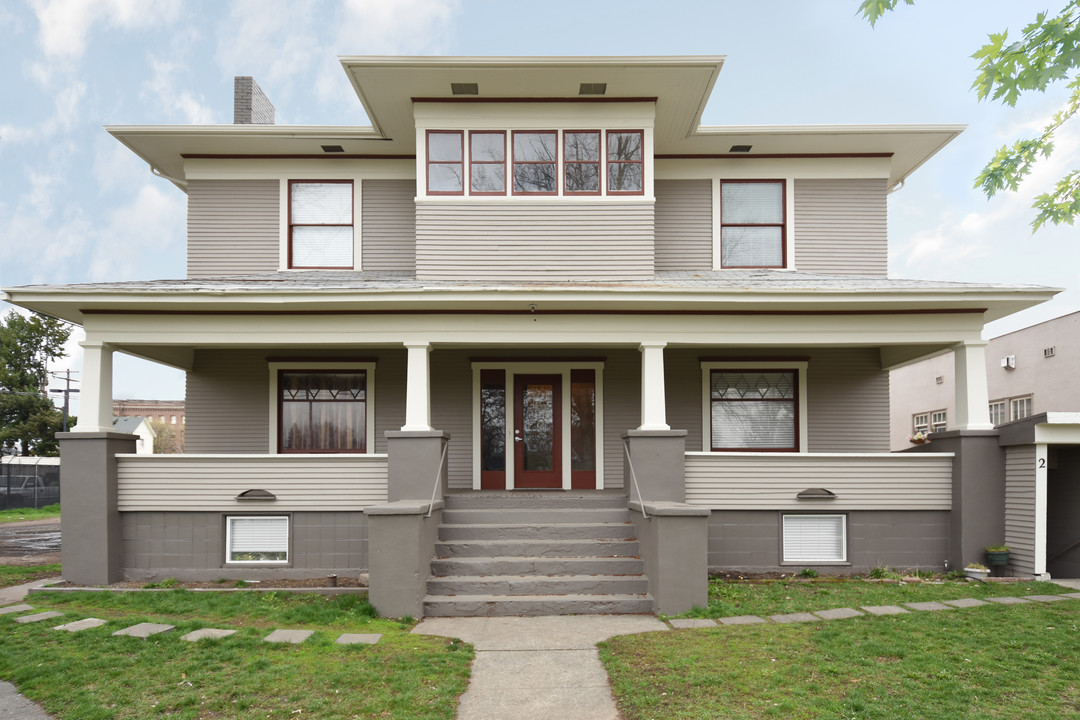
column 653, row 396
column 972, row 395
column 95, row 396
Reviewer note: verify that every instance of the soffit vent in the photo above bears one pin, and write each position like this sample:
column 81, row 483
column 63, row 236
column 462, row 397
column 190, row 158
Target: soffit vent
column 816, row 494
column 465, row 88
column 740, row 148
column 256, row 494
column 592, row 89
column 333, row 149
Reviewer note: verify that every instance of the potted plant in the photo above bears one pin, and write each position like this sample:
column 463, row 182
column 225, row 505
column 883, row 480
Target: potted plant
column 997, row 555
column 919, row 438
column 977, row 571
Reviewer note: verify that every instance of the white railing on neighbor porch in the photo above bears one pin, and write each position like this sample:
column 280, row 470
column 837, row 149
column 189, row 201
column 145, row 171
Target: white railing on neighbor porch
column 771, row 481
column 211, row 482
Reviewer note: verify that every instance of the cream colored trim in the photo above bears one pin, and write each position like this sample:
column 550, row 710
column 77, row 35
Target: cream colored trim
column 283, row 215
column 737, row 168
column 369, row 405
column 706, row 414
column 1040, row 502
column 789, row 224
column 284, row 168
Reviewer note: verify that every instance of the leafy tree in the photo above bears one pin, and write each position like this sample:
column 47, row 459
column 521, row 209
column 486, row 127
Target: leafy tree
column 28, row 419
column 1047, row 52
column 169, row 439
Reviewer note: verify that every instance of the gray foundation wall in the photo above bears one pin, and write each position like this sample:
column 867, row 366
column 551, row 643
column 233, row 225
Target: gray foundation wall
column 750, row 541
column 191, row 546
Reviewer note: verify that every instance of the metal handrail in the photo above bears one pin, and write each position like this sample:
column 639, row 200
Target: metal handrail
column 633, row 478
column 438, row 476
column 1059, row 553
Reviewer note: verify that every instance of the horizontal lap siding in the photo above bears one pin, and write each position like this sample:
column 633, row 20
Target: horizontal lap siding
column 684, row 231
column 840, row 227
column 228, row 403
column 233, row 227
column 1020, row 507
column 188, row 483
column 771, row 482
column 388, row 225
column 519, row 241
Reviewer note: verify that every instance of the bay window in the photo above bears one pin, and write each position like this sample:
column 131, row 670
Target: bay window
column 625, row 162
column 581, row 162
column 445, row 162
column 487, row 163
column 535, row 159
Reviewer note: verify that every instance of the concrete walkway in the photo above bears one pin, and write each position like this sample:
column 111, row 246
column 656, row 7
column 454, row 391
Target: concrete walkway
column 533, row 668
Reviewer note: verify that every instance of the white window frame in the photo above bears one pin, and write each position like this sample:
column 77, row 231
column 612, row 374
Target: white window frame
column 561, row 367
column 920, row 423
column 1028, row 400
column 939, row 417
column 799, row 366
column 1000, row 408
column 842, row 560
column 369, row 392
column 789, row 216
column 228, row 539
column 285, row 197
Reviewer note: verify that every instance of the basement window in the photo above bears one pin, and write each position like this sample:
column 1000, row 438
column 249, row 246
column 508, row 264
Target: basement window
column 815, row 538
column 257, row 539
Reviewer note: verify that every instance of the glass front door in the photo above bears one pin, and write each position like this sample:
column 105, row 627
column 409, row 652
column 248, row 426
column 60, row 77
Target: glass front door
column 538, row 431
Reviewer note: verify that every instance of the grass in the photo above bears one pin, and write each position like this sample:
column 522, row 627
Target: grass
column 728, row 598
column 1018, row 662
column 43, row 513
column 19, row 574
column 91, row 675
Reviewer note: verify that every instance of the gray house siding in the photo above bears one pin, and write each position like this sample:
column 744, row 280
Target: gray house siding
column 684, row 230
column 233, row 227
column 1020, row 507
column 388, row 226
column 840, row 227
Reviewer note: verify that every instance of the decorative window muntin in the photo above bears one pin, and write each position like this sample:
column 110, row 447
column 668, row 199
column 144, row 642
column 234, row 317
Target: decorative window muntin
column 754, row 409
column 752, row 233
column 1020, row 408
column 445, row 162
column 321, row 224
column 625, row 162
column 257, row 539
column 536, row 160
column 814, row 539
column 487, row 162
column 581, row 162
column 322, row 411
column 939, row 421
column 999, row 412
column 920, row 423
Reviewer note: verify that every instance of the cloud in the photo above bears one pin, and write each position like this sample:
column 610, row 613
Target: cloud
column 151, row 223
column 64, row 116
column 162, row 87
column 66, row 25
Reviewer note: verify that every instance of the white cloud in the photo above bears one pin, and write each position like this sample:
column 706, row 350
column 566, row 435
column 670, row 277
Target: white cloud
column 271, row 41
column 66, row 25
column 64, row 116
column 150, row 223
column 162, row 86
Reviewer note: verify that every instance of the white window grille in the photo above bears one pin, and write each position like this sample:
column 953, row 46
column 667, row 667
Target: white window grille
column 998, row 413
column 1020, row 408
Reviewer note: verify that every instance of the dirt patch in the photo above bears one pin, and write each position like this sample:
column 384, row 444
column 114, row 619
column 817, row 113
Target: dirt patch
column 33, row 542
column 354, row 581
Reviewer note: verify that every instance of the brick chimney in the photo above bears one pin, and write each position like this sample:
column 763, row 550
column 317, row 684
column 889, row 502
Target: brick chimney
column 250, row 104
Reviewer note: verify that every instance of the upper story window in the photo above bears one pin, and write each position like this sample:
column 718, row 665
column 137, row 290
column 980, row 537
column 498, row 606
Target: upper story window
column 625, row 162
column 581, row 162
column 321, row 224
column 535, row 159
column 487, row 163
column 752, row 224
column 446, row 162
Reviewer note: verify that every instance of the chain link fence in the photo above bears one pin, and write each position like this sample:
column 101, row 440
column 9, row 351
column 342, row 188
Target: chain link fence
column 29, row 482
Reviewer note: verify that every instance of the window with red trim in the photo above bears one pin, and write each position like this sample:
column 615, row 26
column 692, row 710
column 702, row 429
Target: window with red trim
column 625, row 162
column 581, row 162
column 445, row 162
column 752, row 224
column 487, row 163
column 321, row 224
column 535, row 162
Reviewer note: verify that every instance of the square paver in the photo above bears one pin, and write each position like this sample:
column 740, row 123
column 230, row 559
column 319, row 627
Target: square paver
column 84, row 624
column 741, row 620
column 685, row 623
column 1044, row 598
column 965, row 602
column 1074, row 596
column 1007, row 600
column 15, row 609
column 794, row 618
column 207, row 634
column 288, row 636
column 928, row 606
column 144, row 630
column 358, row 638
column 38, row 617
column 837, row 613
column 884, row 609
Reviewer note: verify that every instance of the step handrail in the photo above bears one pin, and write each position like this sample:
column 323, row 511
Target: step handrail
column 1059, row 553
column 633, row 477
column 438, row 476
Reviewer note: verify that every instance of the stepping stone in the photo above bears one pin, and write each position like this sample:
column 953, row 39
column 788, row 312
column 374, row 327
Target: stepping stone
column 358, row 638
column 837, row 614
column 1008, row 600
column 928, row 606
column 685, row 623
column 207, row 633
column 741, row 620
column 1044, row 598
column 965, row 602
column 884, row 609
column 84, row 624
column 15, row 609
column 39, row 617
column 1074, row 596
column 144, row 630
column 794, row 618
column 288, row 636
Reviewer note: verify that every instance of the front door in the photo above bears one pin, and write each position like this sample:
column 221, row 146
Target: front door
column 538, row 431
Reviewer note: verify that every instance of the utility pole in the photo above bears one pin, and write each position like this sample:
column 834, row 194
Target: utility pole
column 67, row 394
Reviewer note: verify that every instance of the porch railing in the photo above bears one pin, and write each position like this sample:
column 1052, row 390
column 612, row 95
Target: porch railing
column 212, row 482
column 772, row 481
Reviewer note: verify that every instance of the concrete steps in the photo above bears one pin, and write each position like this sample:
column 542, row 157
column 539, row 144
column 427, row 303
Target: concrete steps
column 536, row 554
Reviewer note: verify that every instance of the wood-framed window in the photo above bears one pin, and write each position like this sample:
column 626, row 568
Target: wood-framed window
column 1020, row 407
column 815, row 538
column 581, row 162
column 257, row 539
column 754, row 407
column 487, row 162
column 939, row 421
column 322, row 407
column 752, row 229
column 920, row 423
column 445, row 162
column 536, row 156
column 625, row 162
column 321, row 224
column 999, row 412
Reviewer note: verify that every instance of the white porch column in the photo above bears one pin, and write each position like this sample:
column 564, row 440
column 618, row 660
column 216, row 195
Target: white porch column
column 653, row 399
column 417, row 388
column 95, row 395
column 972, row 398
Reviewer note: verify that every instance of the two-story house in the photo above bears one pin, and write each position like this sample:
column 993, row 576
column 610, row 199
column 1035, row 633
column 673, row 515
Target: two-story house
column 535, row 341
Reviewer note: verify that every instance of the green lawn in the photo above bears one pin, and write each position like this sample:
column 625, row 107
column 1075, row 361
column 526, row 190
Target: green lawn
column 49, row 511
column 1017, row 662
column 19, row 574
column 91, row 675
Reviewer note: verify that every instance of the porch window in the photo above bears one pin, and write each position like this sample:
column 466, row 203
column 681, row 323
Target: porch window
column 445, row 162
column 625, row 166
column 752, row 224
column 998, row 413
column 322, row 411
column 581, row 162
column 815, row 538
column 487, row 163
column 535, row 159
column 582, row 429
column 321, row 224
column 754, row 409
column 257, row 539
column 492, row 429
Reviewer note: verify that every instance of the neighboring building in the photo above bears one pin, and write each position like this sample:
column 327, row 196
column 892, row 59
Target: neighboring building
column 161, row 412
column 141, row 428
column 1028, row 372
column 400, row 339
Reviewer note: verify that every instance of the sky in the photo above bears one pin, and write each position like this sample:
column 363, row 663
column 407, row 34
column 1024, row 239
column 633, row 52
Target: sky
column 75, row 206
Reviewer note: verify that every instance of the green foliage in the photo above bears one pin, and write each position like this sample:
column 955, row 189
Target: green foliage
column 808, row 573
column 996, row 548
column 1047, row 52
column 28, row 419
column 42, row 513
column 21, row 574
column 879, row 573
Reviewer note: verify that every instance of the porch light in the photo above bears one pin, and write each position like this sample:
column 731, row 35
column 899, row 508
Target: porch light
column 816, row 494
